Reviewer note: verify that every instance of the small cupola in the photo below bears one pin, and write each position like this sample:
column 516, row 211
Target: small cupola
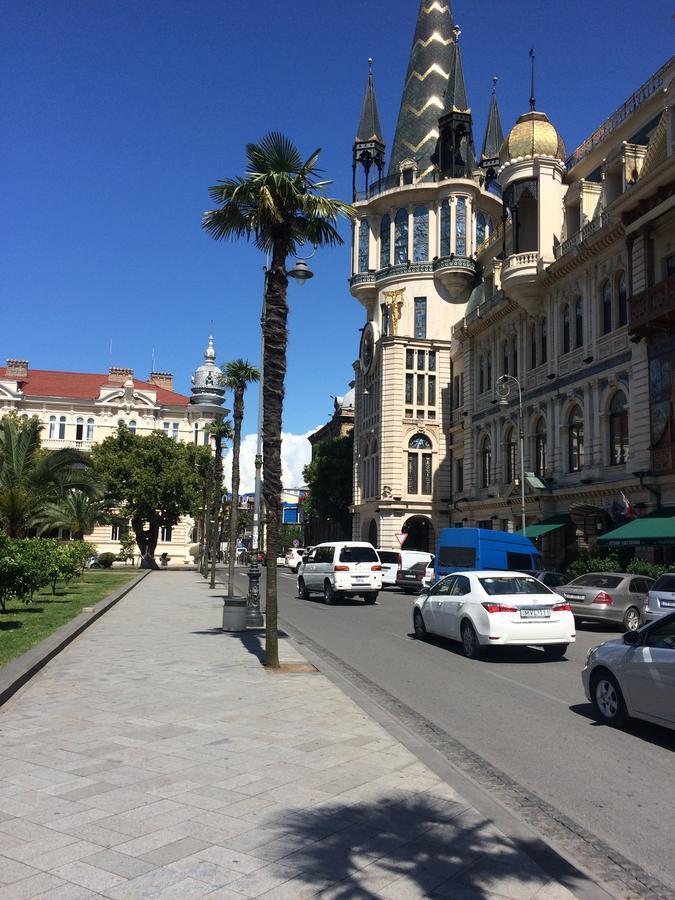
column 208, row 383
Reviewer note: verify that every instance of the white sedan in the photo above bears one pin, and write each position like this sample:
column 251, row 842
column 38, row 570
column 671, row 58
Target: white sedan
column 485, row 609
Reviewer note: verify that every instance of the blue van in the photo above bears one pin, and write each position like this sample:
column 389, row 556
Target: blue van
column 459, row 549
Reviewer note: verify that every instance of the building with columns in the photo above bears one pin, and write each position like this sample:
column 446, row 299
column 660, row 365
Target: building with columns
column 80, row 409
column 511, row 293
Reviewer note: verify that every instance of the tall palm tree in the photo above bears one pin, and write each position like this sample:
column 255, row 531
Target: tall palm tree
column 31, row 477
column 280, row 205
column 238, row 375
column 77, row 511
column 219, row 431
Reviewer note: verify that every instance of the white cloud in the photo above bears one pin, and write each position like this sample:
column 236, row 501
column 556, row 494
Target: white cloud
column 296, row 452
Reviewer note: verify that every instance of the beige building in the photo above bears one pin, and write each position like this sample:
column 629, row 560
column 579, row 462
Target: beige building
column 79, row 409
column 515, row 273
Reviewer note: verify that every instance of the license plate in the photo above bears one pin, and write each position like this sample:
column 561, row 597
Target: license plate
column 360, row 579
column 535, row 613
column 410, row 577
column 578, row 598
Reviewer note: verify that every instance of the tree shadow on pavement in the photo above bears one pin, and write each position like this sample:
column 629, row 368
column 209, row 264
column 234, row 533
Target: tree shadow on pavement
column 413, row 845
column 251, row 639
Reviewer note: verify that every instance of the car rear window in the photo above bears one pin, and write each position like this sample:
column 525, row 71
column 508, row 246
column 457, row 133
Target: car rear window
column 599, row 581
column 417, row 567
column 358, row 554
column 664, row 583
column 388, row 556
column 513, row 585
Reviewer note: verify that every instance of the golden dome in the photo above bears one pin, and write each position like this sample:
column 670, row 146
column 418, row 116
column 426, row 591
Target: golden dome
column 532, row 135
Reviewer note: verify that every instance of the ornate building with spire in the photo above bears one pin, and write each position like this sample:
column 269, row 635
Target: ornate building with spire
column 498, row 294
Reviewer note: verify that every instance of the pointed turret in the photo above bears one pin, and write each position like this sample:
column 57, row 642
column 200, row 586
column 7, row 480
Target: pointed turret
column 494, row 138
column 454, row 155
column 368, row 150
column 425, row 84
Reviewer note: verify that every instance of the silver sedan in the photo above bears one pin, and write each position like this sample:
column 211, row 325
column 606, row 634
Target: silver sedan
column 616, row 597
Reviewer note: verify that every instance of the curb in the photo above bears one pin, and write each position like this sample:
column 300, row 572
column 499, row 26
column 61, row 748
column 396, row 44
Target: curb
column 20, row 670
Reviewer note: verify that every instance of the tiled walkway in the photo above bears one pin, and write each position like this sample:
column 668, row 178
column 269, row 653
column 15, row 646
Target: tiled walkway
column 155, row 757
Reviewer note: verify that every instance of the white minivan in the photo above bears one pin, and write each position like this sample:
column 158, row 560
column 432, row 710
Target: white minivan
column 340, row 569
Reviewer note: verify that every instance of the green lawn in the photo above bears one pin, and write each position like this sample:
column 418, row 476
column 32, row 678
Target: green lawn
column 23, row 625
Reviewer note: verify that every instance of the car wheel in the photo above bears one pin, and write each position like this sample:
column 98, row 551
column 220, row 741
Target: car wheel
column 631, row 619
column 328, row 594
column 302, row 590
column 607, row 699
column 419, row 626
column 555, row 651
column 472, row 649
column 370, row 597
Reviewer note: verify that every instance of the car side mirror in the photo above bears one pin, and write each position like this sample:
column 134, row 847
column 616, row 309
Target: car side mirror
column 632, row 638
column 424, row 592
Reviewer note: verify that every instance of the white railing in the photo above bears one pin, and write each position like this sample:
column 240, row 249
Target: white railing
column 56, row 444
column 521, row 259
column 589, row 229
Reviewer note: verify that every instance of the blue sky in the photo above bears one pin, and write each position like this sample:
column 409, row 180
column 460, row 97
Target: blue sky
column 118, row 115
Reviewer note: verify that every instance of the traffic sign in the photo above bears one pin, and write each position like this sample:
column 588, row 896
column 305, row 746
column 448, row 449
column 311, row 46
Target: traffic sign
column 296, row 542
column 401, row 537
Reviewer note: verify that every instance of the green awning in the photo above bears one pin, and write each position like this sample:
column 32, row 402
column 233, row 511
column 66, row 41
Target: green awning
column 657, row 528
column 547, row 526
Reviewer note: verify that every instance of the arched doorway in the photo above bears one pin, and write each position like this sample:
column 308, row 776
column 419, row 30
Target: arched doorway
column 369, row 532
column 420, row 534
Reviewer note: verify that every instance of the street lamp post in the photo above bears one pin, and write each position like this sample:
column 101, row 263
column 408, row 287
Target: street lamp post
column 504, row 391
column 254, row 619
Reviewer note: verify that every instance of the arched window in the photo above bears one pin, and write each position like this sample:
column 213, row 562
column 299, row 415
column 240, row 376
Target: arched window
column 566, row 329
column 460, row 227
column 575, row 444
column 622, row 294
column 385, row 241
column 505, row 358
column 79, row 429
column 606, row 292
column 510, row 456
column 363, row 245
column 419, row 464
column 62, row 428
column 618, row 430
column 401, row 236
column 420, row 234
column 514, row 354
column 481, row 228
column 52, row 428
column 533, row 347
column 544, row 342
column 445, row 228
column 481, row 375
column 579, row 323
column 540, row 448
column 132, row 426
column 195, row 433
column 485, row 462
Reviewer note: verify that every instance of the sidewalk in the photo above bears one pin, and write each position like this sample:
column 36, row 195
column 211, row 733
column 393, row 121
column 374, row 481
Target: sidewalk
column 155, row 757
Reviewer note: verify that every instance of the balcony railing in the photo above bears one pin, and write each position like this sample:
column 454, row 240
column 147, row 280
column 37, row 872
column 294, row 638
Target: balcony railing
column 413, row 268
column 654, row 308
column 389, row 182
column 454, row 262
column 589, row 229
column 56, row 444
column 516, row 260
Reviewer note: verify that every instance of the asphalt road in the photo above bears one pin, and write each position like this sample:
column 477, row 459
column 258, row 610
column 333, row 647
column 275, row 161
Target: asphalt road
column 525, row 715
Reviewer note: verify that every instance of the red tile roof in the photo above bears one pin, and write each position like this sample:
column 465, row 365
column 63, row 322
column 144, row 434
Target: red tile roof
column 84, row 386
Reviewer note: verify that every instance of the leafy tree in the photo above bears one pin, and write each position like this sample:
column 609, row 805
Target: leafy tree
column 152, row 480
column 77, row 512
column 238, row 375
column 329, row 478
column 31, row 478
column 280, row 205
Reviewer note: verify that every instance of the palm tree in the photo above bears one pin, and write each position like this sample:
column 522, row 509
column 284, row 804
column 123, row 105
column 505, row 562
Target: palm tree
column 30, row 478
column 238, row 375
column 279, row 205
column 219, row 431
column 77, row 511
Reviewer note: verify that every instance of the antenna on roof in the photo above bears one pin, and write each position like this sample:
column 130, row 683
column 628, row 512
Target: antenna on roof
column 153, row 360
column 532, row 104
column 110, row 353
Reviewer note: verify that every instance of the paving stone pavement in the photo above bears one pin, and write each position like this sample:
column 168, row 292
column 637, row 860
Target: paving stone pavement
column 155, row 757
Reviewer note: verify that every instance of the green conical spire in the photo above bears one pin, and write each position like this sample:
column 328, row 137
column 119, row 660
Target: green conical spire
column 431, row 61
column 494, row 136
column 455, row 92
column 369, row 124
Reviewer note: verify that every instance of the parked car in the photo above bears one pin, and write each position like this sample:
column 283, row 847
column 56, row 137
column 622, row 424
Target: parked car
column 410, row 579
column 294, row 558
column 390, row 560
column 660, row 598
column 409, row 557
column 429, row 574
column 615, row 597
column 341, row 569
column 634, row 676
column 491, row 608
column 551, row 579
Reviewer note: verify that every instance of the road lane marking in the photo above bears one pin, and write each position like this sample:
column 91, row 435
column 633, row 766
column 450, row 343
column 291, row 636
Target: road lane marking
column 527, row 687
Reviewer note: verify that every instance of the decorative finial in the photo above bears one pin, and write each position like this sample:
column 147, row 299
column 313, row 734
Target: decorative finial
column 210, row 353
column 370, row 65
column 494, row 84
column 456, row 31
column 532, row 103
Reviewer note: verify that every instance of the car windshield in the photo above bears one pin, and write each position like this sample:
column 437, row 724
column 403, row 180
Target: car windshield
column 518, row 584
column 358, row 554
column 598, row 580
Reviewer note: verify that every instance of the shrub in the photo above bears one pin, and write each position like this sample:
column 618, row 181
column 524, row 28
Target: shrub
column 641, row 567
column 607, row 563
column 106, row 559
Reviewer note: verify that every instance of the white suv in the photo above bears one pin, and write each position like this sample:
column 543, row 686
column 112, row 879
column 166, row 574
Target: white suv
column 341, row 569
column 294, row 557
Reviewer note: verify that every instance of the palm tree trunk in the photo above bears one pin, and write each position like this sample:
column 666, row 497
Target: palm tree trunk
column 274, row 371
column 237, row 415
column 217, row 504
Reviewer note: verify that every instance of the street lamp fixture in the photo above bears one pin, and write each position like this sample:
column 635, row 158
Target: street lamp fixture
column 503, row 390
column 254, row 619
